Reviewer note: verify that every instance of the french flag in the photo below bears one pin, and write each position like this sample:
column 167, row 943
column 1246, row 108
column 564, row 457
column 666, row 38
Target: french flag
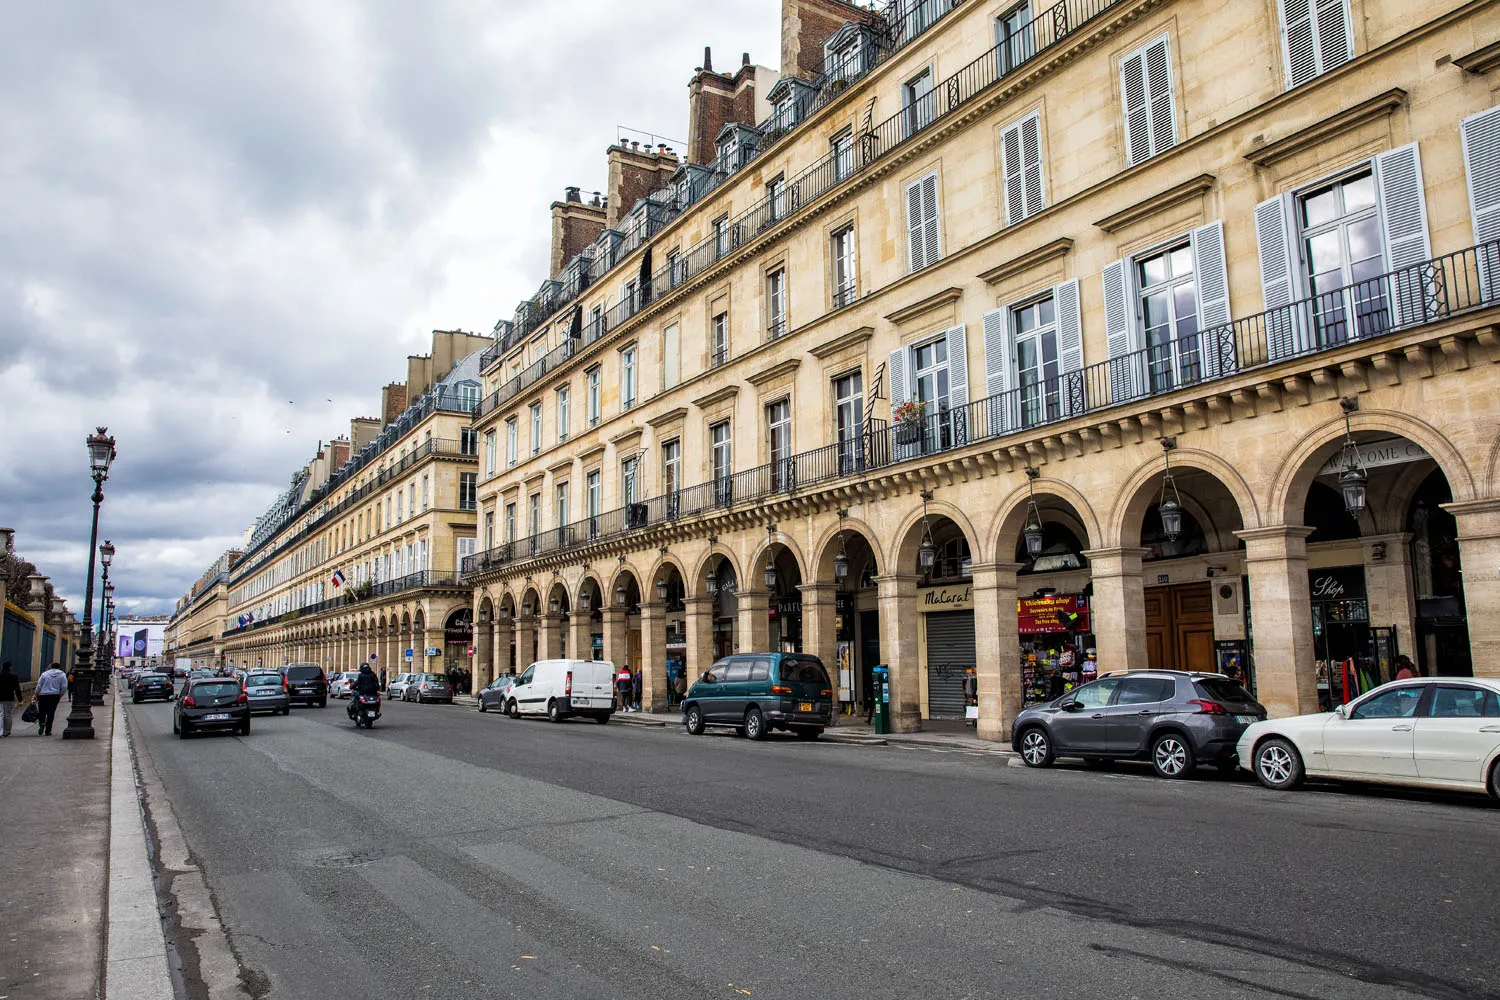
column 338, row 579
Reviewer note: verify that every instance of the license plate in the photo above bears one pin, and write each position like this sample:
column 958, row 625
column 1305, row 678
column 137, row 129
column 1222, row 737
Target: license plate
column 215, row 718
column 804, row 706
column 370, row 714
column 1246, row 719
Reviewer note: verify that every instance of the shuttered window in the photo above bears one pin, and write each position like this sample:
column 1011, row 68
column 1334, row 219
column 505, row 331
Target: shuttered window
column 1021, row 155
column 1146, row 93
column 1481, row 139
column 922, row 233
column 1315, row 38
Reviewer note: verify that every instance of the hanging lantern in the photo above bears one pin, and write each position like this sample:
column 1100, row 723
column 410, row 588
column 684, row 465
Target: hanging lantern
column 583, row 601
column 661, row 590
column 619, row 595
column 1353, row 479
column 711, row 582
column 841, row 566
column 770, row 576
column 1170, row 504
column 555, row 605
column 926, row 554
column 1032, row 533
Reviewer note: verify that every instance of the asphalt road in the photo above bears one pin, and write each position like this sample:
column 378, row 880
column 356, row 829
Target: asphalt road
column 449, row 853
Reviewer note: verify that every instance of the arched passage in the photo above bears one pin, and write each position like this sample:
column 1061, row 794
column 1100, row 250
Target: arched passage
column 622, row 625
column 771, row 610
column 664, row 635
column 842, row 614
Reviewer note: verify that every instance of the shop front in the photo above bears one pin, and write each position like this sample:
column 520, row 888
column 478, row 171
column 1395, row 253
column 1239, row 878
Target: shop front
column 458, row 639
column 1057, row 645
column 1353, row 656
column 948, row 650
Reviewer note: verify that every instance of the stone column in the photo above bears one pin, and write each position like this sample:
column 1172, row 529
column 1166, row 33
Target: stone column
column 1388, row 584
column 754, row 614
column 484, row 653
column 1281, row 633
column 549, row 646
column 617, row 636
column 1119, row 609
column 997, row 649
column 698, row 629
column 1479, row 554
column 654, row 657
column 525, row 635
column 896, row 596
column 36, row 607
column 819, row 637
column 580, row 635
column 432, row 639
column 501, row 639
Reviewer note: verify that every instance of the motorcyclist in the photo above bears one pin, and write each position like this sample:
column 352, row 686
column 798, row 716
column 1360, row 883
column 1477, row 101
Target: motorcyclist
column 365, row 685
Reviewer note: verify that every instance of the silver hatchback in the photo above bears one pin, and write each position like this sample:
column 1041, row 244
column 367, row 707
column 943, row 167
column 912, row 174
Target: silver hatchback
column 1175, row 719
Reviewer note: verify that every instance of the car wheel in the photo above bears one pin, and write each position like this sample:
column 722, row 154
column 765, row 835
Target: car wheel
column 322, row 702
column 481, row 704
column 135, row 699
column 554, row 712
column 183, row 732
column 1495, row 779
column 808, row 733
column 755, row 725
column 1172, row 755
column 1036, row 747
column 175, row 730
column 513, row 710
column 1278, row 765
column 694, row 721
column 602, row 718
column 245, row 729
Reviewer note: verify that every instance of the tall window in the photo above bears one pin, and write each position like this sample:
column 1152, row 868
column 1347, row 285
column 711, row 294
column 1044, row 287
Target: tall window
column 560, row 503
column 593, row 497
column 671, row 473
column 627, row 377
column 671, row 356
column 593, row 402
column 1021, row 153
column 1169, row 314
column 776, row 198
column 563, row 410
column 629, row 481
column 843, row 267
column 426, row 492
column 923, row 237
column 917, row 102
column 510, row 522
column 468, row 395
column 930, row 379
column 1014, row 39
column 721, row 236
column 468, row 491
column 534, row 515
column 719, row 346
column 1146, row 91
column 1340, row 232
column 848, row 421
column 842, row 148
column 489, row 529
column 412, row 499
column 776, row 303
column 536, row 428
column 400, row 513
column 489, row 453
column 676, row 273
column 1315, row 38
column 512, row 431
column 779, row 439
column 468, row 441
column 1035, row 326
column 723, row 461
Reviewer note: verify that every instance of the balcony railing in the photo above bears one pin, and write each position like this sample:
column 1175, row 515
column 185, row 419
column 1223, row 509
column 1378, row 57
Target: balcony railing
column 423, row 579
column 1410, row 297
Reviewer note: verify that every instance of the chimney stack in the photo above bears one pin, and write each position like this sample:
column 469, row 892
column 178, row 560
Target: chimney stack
column 574, row 226
column 715, row 101
column 633, row 174
column 805, row 26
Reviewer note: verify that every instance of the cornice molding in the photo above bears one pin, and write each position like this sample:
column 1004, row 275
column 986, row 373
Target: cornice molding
column 717, row 396
column 1481, row 60
column 774, row 372
column 853, row 338
column 934, row 301
column 671, row 416
column 1060, row 247
column 1374, row 109
column 1157, row 203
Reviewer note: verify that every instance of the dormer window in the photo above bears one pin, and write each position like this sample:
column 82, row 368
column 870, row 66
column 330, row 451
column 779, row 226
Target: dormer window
column 786, row 111
column 729, row 152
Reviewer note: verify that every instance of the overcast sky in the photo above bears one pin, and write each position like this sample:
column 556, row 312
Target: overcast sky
column 226, row 224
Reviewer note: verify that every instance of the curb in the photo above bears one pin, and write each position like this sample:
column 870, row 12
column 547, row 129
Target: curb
column 631, row 719
column 135, row 963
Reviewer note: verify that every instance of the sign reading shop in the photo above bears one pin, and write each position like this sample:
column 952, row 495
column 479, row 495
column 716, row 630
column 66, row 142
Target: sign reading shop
column 1343, row 583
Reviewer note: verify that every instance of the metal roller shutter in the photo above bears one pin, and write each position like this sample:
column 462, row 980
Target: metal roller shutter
column 950, row 652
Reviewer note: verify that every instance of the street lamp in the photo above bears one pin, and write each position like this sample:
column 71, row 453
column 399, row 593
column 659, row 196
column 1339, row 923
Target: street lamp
column 81, row 718
column 104, row 656
column 1353, row 479
column 661, row 590
column 1033, row 530
column 926, row 552
column 1170, row 507
column 770, row 576
column 841, row 560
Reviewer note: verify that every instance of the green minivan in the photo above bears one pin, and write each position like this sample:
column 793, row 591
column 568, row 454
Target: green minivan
column 758, row 692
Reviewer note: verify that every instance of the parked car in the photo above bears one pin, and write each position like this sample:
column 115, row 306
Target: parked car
column 305, row 684
column 151, row 685
column 267, row 691
column 342, row 684
column 761, row 692
column 211, row 703
column 422, row 688
column 202, row 673
column 560, row 688
column 395, row 689
column 496, row 693
column 1427, row 732
column 1175, row 719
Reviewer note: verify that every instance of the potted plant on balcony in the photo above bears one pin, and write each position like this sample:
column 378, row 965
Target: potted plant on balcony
column 909, row 415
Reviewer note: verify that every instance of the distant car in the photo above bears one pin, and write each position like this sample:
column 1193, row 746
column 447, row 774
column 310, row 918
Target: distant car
column 211, row 703
column 343, row 684
column 1173, row 718
column 396, row 688
column 267, row 691
column 759, row 692
column 305, row 684
column 423, row 688
column 495, row 694
column 147, row 685
column 1426, row 732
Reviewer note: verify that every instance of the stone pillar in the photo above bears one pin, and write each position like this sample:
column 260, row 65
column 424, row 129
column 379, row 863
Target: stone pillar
column 432, row 639
column 654, row 657
column 997, row 649
column 819, row 637
column 484, row 655
column 550, row 645
column 1286, row 679
column 525, row 636
column 617, row 636
column 698, row 634
column 754, row 614
column 896, row 596
column 580, row 635
column 37, row 608
column 1389, row 587
column 1479, row 555
column 502, row 636
column 1119, row 609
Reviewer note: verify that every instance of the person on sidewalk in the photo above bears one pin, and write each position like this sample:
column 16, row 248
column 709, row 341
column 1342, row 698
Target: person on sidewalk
column 622, row 688
column 681, row 685
column 50, row 687
column 635, row 689
column 10, row 695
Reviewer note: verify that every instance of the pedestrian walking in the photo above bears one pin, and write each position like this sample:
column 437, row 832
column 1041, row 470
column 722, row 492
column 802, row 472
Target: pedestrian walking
column 622, row 688
column 681, row 685
column 10, row 694
column 1405, row 669
column 635, row 689
column 382, row 678
column 50, row 687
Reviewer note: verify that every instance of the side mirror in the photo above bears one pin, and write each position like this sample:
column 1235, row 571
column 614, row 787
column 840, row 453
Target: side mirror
column 1071, row 706
column 1342, row 711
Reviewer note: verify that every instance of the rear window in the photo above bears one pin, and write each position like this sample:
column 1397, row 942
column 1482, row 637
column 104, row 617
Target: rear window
column 262, row 680
column 1223, row 689
column 432, row 678
column 803, row 670
column 216, row 689
column 303, row 673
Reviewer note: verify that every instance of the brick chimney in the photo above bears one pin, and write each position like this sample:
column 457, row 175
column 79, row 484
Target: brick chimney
column 575, row 225
column 634, row 172
column 393, row 403
column 716, row 100
column 805, row 26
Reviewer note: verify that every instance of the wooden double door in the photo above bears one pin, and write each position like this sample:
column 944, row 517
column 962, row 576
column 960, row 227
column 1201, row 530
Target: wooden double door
column 1180, row 627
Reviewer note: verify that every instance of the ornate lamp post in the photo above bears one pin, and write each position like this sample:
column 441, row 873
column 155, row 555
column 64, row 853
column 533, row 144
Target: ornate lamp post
column 104, row 658
column 81, row 717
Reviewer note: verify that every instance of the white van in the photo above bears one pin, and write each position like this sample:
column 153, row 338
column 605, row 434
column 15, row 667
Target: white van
column 560, row 688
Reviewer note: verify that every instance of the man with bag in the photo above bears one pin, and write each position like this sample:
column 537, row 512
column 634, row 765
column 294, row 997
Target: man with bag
column 10, row 693
column 50, row 687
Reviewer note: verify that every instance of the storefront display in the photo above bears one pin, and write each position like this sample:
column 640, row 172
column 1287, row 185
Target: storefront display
column 1057, row 647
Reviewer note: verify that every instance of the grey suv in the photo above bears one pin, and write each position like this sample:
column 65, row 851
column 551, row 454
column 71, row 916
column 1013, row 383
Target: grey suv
column 1175, row 719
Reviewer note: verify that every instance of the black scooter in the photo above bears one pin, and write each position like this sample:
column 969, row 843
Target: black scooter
column 364, row 709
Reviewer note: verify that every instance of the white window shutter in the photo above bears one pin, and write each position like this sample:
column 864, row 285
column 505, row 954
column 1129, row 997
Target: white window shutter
column 1299, row 48
column 931, row 245
column 1010, row 156
column 1335, row 38
column 1125, row 366
column 999, row 369
column 1031, row 163
column 1403, row 219
column 896, row 372
column 1137, row 110
column 914, row 226
column 1481, row 141
column 958, row 368
column 1069, row 346
column 1159, row 91
column 1278, row 276
column 1215, row 329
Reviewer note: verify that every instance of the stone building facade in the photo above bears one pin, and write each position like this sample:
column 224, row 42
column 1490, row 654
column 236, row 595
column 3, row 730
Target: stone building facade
column 910, row 377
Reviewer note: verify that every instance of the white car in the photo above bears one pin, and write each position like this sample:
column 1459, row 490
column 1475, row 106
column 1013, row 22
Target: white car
column 343, row 684
column 396, row 688
column 560, row 688
column 1427, row 732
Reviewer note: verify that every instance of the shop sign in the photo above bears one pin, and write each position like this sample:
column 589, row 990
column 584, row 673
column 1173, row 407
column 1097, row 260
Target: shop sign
column 1342, row 583
column 434, row 651
column 954, row 598
column 791, row 608
column 1057, row 613
column 1374, row 454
